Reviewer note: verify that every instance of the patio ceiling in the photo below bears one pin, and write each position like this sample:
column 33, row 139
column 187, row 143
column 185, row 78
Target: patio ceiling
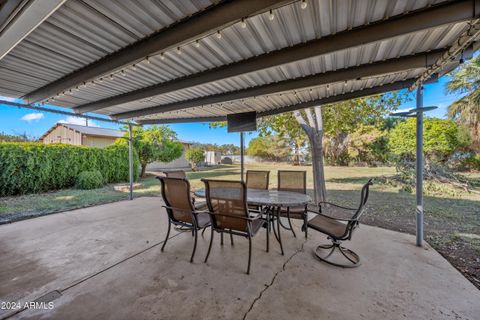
column 192, row 60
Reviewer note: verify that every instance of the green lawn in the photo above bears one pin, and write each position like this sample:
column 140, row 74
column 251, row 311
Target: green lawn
column 452, row 221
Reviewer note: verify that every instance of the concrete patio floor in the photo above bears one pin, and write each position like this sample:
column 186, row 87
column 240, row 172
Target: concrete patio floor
column 104, row 262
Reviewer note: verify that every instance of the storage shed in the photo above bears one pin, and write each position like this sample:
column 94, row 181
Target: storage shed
column 81, row 135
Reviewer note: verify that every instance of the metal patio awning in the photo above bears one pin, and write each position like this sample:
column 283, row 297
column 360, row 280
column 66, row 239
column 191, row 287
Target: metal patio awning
column 200, row 60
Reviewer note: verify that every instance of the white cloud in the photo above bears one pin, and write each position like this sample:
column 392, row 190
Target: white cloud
column 79, row 121
column 36, row 116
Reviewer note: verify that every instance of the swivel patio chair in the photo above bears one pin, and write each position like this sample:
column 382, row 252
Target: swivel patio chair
column 180, row 209
column 227, row 202
column 293, row 181
column 337, row 229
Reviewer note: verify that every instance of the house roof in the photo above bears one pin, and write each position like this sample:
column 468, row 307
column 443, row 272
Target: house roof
column 91, row 131
column 160, row 62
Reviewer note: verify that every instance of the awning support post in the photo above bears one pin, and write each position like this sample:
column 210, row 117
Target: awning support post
column 419, row 168
column 130, row 160
column 241, row 156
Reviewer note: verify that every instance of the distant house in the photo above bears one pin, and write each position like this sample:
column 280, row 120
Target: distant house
column 81, row 135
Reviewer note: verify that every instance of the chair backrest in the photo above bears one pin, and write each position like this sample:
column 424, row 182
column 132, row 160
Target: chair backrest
column 227, row 202
column 176, row 174
column 353, row 223
column 176, row 195
column 294, row 181
column 257, row 179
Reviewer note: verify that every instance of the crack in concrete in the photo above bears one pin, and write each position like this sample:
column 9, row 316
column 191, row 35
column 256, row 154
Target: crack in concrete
column 272, row 281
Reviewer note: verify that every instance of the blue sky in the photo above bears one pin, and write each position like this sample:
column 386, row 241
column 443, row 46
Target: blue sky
column 15, row 121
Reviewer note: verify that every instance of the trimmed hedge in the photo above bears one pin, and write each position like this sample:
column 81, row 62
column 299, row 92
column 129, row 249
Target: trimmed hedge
column 36, row 167
column 87, row 180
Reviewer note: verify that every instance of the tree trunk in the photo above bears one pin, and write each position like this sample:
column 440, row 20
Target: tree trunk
column 144, row 168
column 316, row 143
column 314, row 130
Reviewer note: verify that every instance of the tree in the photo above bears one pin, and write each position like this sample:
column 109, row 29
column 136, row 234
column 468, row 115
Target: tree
column 466, row 110
column 441, row 138
column 288, row 129
column 270, row 147
column 156, row 143
column 194, row 156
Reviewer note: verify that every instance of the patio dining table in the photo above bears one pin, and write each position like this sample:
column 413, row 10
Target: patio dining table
column 272, row 201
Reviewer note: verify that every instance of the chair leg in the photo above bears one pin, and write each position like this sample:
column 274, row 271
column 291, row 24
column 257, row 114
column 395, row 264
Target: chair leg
column 204, row 231
column 221, row 238
column 210, row 245
column 268, row 230
column 352, row 257
column 195, row 231
column 305, row 222
column 168, row 234
column 249, row 254
column 231, row 238
column 290, row 222
column 278, row 229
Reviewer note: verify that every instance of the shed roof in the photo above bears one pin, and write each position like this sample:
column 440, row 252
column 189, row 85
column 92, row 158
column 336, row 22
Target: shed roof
column 199, row 60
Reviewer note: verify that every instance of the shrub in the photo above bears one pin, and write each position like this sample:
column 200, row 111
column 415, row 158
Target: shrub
column 194, row 156
column 36, row 167
column 87, row 180
column 441, row 138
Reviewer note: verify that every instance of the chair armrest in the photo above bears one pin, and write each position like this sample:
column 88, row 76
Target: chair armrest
column 232, row 216
column 183, row 210
column 336, row 205
column 330, row 217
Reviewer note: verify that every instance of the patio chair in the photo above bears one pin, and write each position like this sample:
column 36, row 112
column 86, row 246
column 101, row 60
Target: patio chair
column 180, row 209
column 199, row 205
column 175, row 174
column 337, row 229
column 227, row 202
column 258, row 179
column 293, row 181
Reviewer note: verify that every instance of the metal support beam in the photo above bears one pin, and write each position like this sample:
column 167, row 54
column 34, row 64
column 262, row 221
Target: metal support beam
column 182, row 120
column 450, row 12
column 187, row 30
column 299, row 106
column 422, row 60
column 419, row 168
column 130, row 161
column 20, row 24
column 242, row 156
column 66, row 113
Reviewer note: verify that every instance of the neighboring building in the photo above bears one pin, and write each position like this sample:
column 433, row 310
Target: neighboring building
column 213, row 157
column 81, row 135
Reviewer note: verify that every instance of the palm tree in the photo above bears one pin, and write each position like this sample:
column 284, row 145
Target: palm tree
column 466, row 110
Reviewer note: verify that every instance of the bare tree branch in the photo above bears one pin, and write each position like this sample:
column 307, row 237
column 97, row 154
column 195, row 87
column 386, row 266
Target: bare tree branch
column 318, row 115
column 309, row 114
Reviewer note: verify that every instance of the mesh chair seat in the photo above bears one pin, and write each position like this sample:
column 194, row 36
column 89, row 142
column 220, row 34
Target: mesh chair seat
column 328, row 226
column 203, row 220
column 256, row 225
column 201, row 205
column 294, row 213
